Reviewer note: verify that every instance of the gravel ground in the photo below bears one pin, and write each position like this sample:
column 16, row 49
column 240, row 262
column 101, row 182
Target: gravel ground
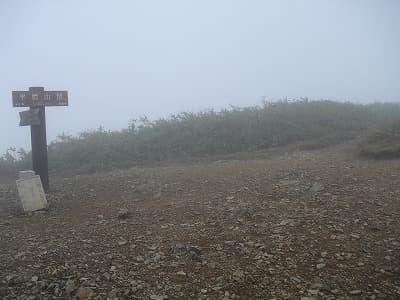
column 303, row 225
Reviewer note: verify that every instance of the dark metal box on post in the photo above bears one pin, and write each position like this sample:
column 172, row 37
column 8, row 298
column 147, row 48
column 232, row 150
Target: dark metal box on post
column 37, row 99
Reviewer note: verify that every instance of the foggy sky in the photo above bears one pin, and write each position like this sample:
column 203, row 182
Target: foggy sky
column 124, row 59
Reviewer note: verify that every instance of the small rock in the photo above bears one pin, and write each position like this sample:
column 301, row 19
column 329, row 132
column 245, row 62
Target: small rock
column 195, row 249
column 355, row 292
column 123, row 213
column 285, row 222
column 157, row 297
column 335, row 291
column 317, row 286
column 122, row 242
column 317, row 187
column 113, row 295
column 195, row 257
column 56, row 291
column 70, row 287
column 84, row 293
column 320, row 266
column 181, row 273
column 107, row 276
column 238, row 275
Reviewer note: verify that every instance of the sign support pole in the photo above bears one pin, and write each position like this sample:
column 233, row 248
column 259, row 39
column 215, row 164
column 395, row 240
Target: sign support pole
column 39, row 149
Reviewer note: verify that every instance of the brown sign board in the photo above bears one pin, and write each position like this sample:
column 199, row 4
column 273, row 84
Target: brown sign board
column 39, row 98
column 29, row 117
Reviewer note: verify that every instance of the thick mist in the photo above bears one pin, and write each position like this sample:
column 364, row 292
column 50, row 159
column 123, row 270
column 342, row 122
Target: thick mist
column 124, row 59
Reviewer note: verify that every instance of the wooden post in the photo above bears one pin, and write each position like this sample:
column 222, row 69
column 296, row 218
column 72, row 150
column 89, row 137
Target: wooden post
column 39, row 145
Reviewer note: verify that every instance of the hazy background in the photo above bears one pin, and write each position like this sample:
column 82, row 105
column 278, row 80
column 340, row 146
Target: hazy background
column 124, row 59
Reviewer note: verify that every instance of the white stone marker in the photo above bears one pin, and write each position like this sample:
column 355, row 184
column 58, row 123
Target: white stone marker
column 26, row 174
column 30, row 191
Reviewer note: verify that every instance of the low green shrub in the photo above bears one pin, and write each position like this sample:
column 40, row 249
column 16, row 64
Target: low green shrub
column 315, row 124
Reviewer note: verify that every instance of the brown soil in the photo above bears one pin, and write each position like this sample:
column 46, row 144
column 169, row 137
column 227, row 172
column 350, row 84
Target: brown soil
column 303, row 225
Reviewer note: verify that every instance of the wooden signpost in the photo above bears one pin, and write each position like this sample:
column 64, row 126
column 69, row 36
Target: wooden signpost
column 37, row 99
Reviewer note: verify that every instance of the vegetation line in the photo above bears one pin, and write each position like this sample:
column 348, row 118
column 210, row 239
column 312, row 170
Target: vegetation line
column 314, row 123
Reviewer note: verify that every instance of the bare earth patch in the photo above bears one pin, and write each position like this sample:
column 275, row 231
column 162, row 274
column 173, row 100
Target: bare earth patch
column 305, row 225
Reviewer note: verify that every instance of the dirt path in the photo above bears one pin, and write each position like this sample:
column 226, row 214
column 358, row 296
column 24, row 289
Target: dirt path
column 305, row 225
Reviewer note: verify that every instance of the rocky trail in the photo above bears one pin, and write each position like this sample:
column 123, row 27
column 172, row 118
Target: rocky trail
column 302, row 225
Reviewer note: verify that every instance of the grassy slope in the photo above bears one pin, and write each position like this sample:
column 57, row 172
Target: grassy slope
column 313, row 123
column 382, row 143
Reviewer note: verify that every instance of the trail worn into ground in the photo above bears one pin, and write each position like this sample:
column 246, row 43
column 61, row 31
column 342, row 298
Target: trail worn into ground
column 304, row 225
